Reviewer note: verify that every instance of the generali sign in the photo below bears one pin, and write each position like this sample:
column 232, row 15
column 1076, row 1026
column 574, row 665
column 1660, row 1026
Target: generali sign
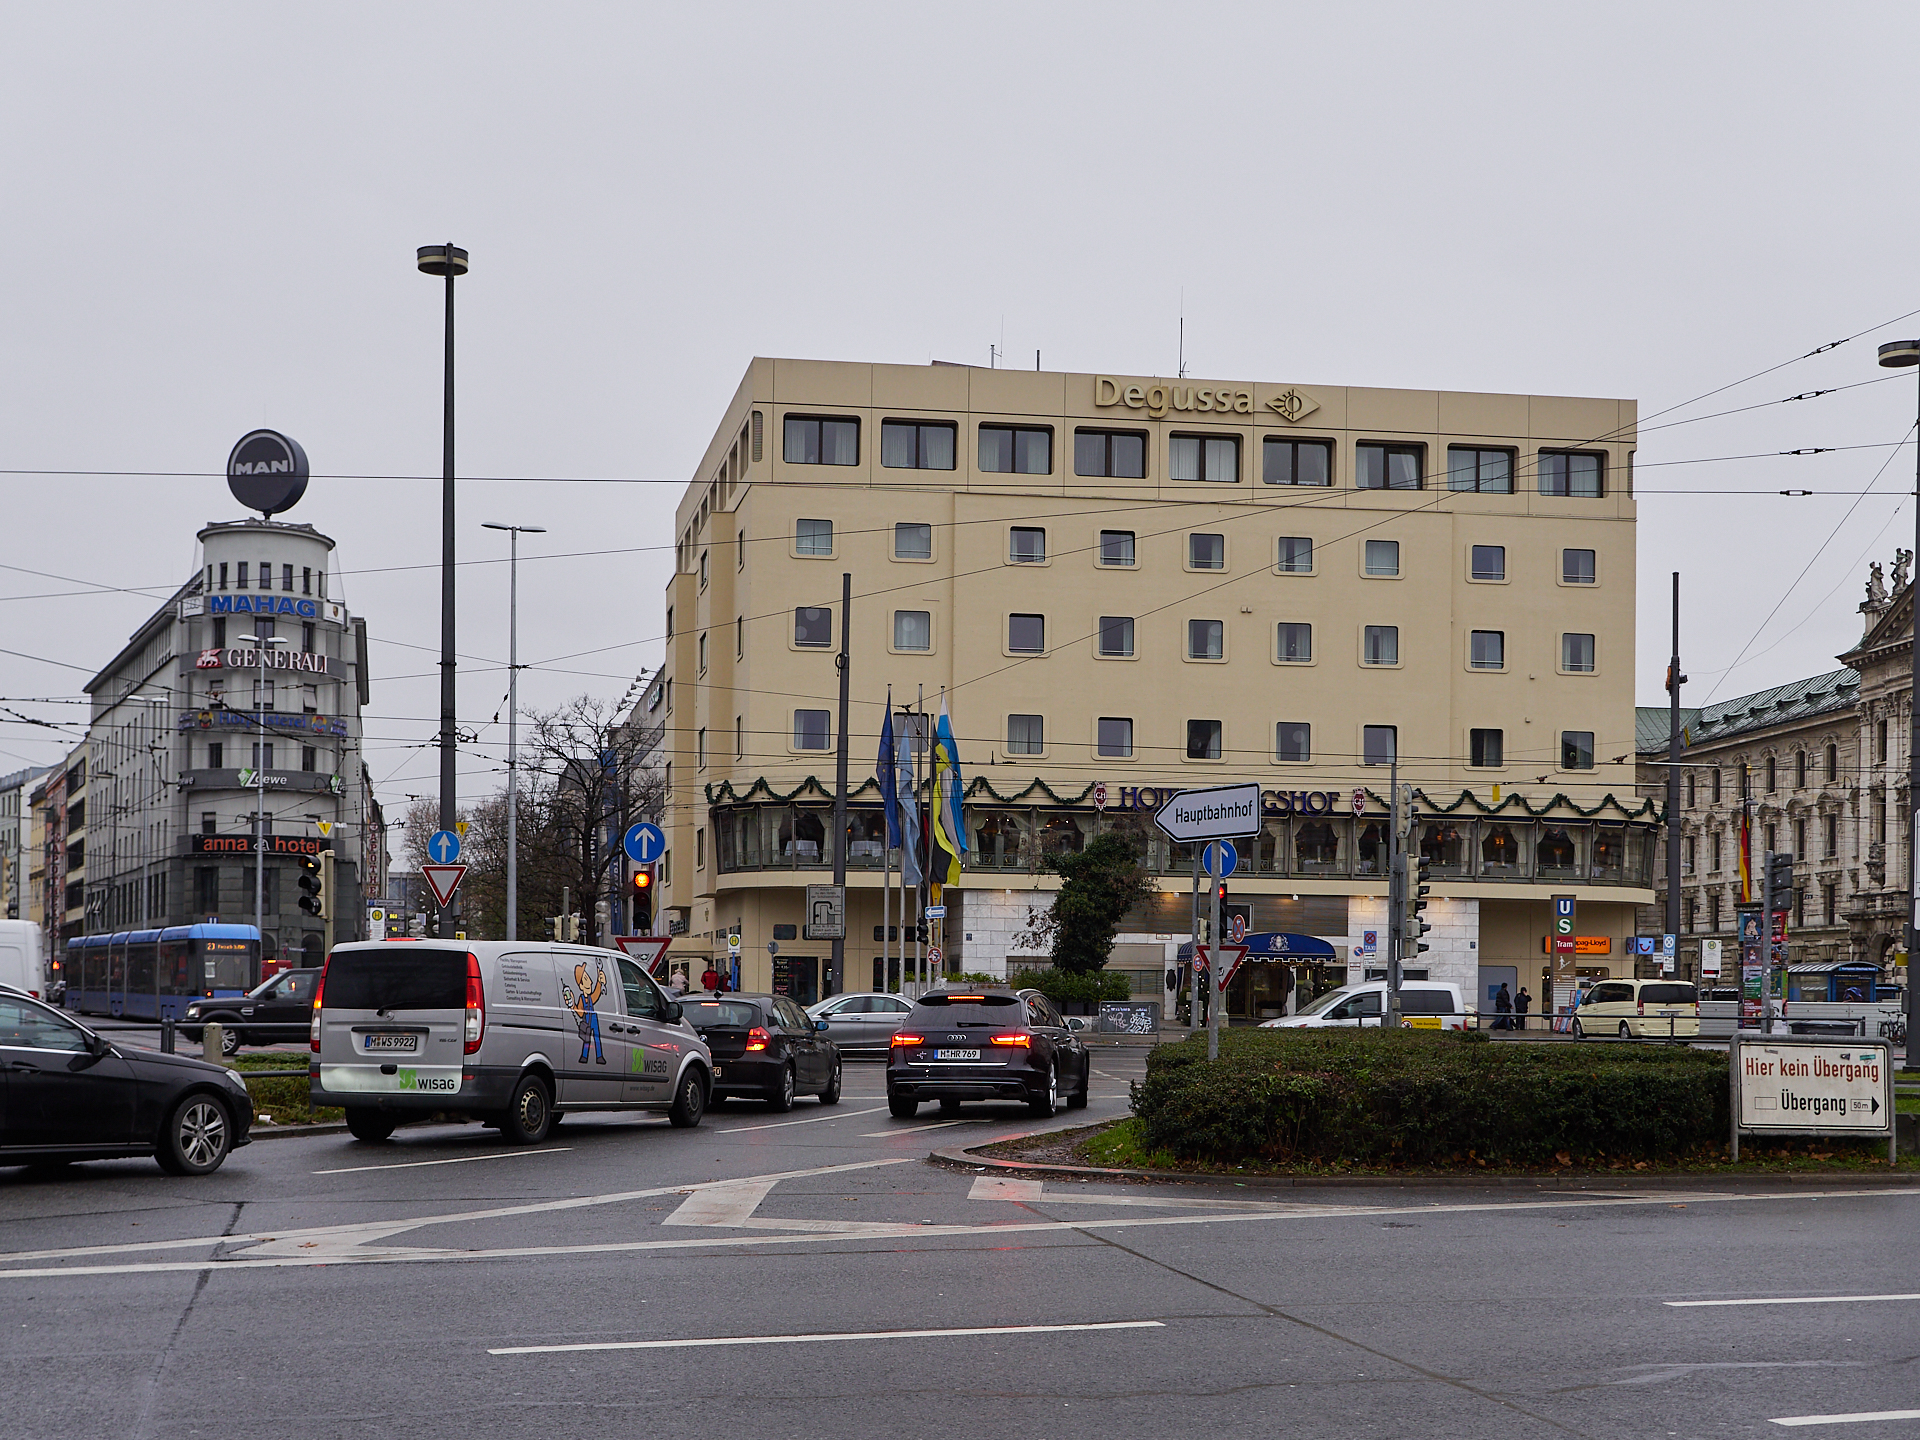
column 1158, row 398
column 305, row 661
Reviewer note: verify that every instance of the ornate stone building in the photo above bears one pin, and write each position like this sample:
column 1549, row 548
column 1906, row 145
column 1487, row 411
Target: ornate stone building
column 1821, row 764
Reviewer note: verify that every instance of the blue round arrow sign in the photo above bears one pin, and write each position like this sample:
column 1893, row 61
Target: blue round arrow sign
column 443, row 847
column 1219, row 859
column 645, row 843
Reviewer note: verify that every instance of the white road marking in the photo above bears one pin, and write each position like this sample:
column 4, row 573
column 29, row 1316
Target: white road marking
column 354, row 1244
column 816, row 1339
column 1858, row 1418
column 456, row 1160
column 721, row 1204
column 916, row 1129
column 1035, row 1192
column 1786, row 1300
column 810, row 1120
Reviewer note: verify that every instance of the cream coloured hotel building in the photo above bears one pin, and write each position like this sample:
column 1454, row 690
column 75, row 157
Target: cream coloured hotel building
column 1159, row 584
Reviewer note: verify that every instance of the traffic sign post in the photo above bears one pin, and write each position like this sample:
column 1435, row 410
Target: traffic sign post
column 1220, row 859
column 443, row 880
column 1214, row 814
column 443, row 848
column 1229, row 966
column 645, row 843
column 649, row 950
column 1786, row 1085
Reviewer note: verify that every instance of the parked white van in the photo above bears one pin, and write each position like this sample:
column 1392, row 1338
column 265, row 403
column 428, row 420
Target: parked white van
column 21, row 964
column 1424, row 1005
column 515, row 1033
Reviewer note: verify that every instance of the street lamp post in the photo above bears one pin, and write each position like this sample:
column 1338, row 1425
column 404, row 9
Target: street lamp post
column 514, row 532
column 262, row 648
column 1900, row 355
column 449, row 261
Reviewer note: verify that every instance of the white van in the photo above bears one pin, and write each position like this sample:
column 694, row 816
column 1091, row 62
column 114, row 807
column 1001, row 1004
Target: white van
column 21, row 964
column 1424, row 1005
column 515, row 1033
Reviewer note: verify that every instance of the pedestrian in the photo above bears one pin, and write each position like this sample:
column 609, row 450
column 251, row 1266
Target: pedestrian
column 1522, row 1003
column 710, row 978
column 678, row 984
column 1503, row 1008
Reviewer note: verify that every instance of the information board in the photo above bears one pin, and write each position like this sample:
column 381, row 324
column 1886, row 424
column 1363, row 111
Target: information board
column 1129, row 1017
column 1811, row 1087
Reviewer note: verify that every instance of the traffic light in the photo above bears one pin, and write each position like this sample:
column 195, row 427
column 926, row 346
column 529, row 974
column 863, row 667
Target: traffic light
column 313, row 898
column 1416, row 890
column 1780, row 877
column 1223, row 892
column 643, row 900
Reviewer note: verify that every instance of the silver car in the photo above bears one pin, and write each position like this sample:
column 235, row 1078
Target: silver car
column 862, row 1024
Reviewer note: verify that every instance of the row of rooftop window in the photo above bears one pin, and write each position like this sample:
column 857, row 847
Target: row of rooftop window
column 1205, row 458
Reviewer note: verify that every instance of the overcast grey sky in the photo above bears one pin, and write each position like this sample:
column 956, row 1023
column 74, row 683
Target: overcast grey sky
column 212, row 211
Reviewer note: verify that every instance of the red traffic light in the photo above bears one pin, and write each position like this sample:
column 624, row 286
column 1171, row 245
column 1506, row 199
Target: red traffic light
column 643, row 880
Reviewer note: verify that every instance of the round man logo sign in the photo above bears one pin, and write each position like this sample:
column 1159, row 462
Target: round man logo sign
column 267, row 471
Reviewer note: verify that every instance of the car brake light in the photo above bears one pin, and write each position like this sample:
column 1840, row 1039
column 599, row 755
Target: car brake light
column 957, row 999
column 901, row 1038
column 319, row 990
column 476, row 1005
column 758, row 1038
column 1022, row 1039
column 1643, row 1007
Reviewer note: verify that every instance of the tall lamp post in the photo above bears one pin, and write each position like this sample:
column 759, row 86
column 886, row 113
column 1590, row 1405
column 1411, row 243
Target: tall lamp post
column 262, row 648
column 514, row 532
column 1900, row 355
column 449, row 261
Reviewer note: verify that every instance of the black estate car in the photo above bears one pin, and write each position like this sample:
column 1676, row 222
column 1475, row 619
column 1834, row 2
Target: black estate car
column 276, row 1010
column 986, row 1043
column 765, row 1046
column 71, row 1094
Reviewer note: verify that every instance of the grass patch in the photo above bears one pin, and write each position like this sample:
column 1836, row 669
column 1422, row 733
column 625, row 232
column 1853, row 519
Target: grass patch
column 286, row 1100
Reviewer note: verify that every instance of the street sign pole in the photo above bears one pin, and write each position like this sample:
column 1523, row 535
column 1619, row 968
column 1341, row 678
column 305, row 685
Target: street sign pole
column 1766, row 944
column 1193, row 969
column 1396, row 900
column 1214, row 967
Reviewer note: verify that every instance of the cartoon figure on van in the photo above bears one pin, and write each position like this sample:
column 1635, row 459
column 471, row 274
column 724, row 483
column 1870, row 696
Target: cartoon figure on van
column 585, row 1018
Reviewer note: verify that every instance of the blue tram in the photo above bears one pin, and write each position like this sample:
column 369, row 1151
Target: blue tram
column 151, row 974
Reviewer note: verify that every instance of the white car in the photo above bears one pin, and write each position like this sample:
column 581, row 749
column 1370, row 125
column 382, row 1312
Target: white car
column 1424, row 1005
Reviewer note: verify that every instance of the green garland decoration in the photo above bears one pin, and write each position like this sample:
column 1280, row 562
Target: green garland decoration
column 724, row 794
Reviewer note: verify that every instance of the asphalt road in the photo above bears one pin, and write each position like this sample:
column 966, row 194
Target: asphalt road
column 443, row 1284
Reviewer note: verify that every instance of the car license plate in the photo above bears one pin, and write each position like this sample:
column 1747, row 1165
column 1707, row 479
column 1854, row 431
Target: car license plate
column 390, row 1044
column 718, row 1071
column 1669, row 1013
column 956, row 1054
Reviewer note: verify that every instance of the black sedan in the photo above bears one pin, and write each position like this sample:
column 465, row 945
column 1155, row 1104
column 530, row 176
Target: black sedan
column 67, row 1093
column 276, row 1010
column 765, row 1046
column 987, row 1044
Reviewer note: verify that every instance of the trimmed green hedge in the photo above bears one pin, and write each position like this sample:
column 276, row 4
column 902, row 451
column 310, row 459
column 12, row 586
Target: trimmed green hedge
column 1063, row 987
column 1417, row 1098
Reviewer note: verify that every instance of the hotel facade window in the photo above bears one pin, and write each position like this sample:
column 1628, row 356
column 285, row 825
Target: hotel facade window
column 1026, row 545
column 1294, row 642
column 912, row 541
column 1116, row 637
column 811, row 730
column 1295, row 462
column 1293, row 742
column 1388, row 467
column 1295, row 555
column 1206, row 552
column 1118, row 454
column 1573, row 474
column 1379, row 744
column 1026, row 735
column 1576, row 567
column 1116, row 548
column 1488, row 650
column 1203, row 739
column 912, row 630
column 1113, row 736
column 1576, row 750
column 914, row 445
column 1211, row 458
column 1576, row 656
column 1381, row 645
column 1206, row 639
column 813, row 626
column 820, row 441
column 1383, row 557
column 1486, row 748
column 1487, row 562
column 1027, row 634
column 810, row 537
column 1484, row 472
column 1016, row 450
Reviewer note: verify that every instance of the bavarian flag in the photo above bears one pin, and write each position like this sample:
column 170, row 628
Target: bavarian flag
column 949, row 832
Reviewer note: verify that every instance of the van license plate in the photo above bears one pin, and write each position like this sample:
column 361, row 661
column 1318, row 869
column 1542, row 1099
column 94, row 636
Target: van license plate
column 956, row 1054
column 718, row 1071
column 391, row 1044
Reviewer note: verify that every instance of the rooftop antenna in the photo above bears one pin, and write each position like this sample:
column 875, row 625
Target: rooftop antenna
column 1182, row 372
column 1036, row 361
column 993, row 356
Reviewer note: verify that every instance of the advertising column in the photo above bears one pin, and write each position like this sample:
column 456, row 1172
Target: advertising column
column 1566, row 983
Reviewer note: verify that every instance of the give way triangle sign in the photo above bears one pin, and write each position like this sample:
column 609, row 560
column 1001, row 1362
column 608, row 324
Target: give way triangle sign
column 443, row 880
